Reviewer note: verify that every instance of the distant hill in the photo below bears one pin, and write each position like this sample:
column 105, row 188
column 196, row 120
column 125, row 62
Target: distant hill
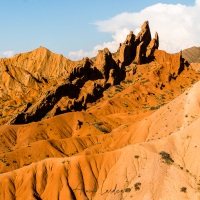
column 192, row 55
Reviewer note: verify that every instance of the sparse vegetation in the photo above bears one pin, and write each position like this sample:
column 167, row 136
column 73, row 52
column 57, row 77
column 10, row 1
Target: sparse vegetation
column 127, row 189
column 181, row 87
column 127, row 81
column 82, row 91
column 184, row 189
column 156, row 107
column 99, row 126
column 166, row 158
column 180, row 167
column 125, row 104
column 136, row 156
column 118, row 88
column 137, row 186
column 145, row 81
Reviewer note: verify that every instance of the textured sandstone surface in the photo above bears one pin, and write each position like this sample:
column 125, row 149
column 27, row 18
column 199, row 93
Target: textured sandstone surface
column 117, row 126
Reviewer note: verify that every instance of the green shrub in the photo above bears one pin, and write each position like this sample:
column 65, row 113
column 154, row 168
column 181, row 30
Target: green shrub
column 184, row 189
column 166, row 157
column 137, row 186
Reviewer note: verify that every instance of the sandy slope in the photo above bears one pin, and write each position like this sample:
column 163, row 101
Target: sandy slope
column 117, row 126
column 149, row 159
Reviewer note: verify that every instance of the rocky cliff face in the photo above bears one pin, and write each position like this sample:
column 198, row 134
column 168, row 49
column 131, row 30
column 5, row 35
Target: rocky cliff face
column 172, row 64
column 41, row 84
column 138, row 49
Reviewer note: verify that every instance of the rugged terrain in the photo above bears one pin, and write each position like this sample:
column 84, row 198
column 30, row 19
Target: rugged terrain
column 117, row 126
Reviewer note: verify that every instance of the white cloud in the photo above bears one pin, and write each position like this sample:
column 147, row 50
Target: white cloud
column 178, row 27
column 7, row 54
column 118, row 37
column 197, row 2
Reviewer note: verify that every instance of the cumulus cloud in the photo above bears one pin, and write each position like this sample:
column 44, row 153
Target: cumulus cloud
column 7, row 54
column 118, row 37
column 177, row 25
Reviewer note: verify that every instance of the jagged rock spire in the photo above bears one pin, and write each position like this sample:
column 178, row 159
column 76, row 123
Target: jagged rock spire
column 138, row 48
column 154, row 44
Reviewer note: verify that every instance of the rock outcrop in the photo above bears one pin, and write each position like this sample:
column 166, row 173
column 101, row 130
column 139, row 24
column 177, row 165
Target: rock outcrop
column 153, row 45
column 138, row 49
column 142, row 41
column 127, row 50
column 172, row 64
column 100, row 128
column 39, row 84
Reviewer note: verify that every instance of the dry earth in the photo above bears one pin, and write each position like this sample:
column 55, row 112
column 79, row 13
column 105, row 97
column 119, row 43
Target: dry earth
column 117, row 126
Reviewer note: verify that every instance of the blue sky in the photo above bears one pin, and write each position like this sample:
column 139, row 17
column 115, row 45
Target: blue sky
column 77, row 28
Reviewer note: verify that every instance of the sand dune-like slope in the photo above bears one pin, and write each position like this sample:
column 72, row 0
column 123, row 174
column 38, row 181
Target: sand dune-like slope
column 159, row 161
column 117, row 126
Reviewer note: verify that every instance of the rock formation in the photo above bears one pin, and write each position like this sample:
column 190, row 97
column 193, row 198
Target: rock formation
column 41, row 84
column 127, row 50
column 153, row 45
column 138, row 48
column 100, row 128
column 172, row 64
